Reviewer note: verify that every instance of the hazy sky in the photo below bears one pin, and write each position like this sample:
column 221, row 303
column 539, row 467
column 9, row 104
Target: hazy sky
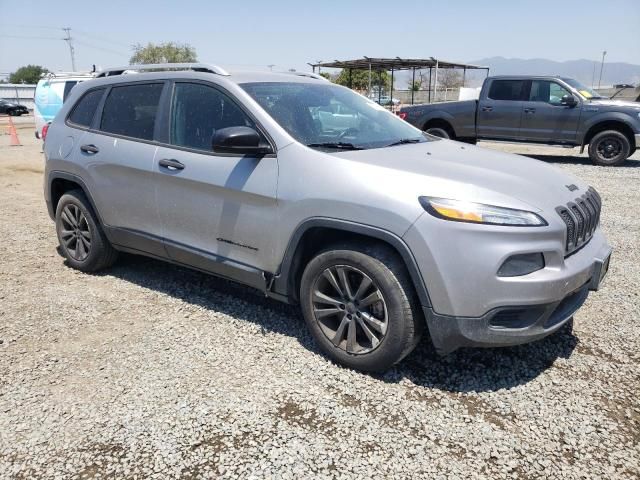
column 289, row 34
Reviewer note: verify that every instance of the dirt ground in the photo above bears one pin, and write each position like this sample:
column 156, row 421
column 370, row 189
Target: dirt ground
column 149, row 370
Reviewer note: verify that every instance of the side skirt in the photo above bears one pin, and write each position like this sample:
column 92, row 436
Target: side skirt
column 140, row 243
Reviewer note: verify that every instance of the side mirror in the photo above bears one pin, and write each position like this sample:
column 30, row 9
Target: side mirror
column 569, row 101
column 241, row 140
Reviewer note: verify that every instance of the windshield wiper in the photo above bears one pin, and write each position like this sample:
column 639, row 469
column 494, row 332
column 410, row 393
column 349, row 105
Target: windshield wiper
column 341, row 145
column 404, row 141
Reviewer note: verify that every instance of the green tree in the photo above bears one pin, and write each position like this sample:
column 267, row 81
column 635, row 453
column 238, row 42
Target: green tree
column 326, row 75
column 28, row 74
column 168, row 52
column 360, row 79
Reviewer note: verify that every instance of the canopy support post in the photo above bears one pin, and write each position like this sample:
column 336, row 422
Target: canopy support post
column 413, row 83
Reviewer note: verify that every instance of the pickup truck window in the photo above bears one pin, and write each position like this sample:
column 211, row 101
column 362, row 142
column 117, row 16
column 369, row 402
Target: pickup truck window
column 507, row 90
column 547, row 92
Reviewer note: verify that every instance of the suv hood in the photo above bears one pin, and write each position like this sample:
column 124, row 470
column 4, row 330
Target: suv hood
column 449, row 169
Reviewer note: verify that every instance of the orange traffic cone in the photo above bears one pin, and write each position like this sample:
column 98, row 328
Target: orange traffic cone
column 15, row 141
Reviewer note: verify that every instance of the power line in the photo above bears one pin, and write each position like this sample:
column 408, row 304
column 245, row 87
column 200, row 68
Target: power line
column 108, row 50
column 30, row 37
column 101, row 39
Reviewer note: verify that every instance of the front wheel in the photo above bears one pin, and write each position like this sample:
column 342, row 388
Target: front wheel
column 609, row 148
column 359, row 305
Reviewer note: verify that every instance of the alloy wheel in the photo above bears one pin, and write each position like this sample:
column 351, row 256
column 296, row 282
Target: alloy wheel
column 609, row 148
column 350, row 309
column 75, row 233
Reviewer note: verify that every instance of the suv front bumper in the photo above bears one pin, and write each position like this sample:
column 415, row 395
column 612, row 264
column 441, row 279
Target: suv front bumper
column 472, row 306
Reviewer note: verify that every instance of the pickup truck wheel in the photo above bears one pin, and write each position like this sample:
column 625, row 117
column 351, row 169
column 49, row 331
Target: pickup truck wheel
column 82, row 241
column 359, row 305
column 609, row 148
column 438, row 132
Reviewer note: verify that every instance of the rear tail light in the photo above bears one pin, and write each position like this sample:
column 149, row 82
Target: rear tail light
column 45, row 129
column 402, row 115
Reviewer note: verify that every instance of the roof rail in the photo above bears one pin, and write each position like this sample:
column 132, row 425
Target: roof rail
column 66, row 74
column 196, row 67
column 308, row 74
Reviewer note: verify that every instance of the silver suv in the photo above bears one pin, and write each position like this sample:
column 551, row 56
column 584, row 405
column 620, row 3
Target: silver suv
column 320, row 197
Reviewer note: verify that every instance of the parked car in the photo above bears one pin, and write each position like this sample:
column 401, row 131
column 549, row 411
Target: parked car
column 13, row 109
column 52, row 91
column 377, row 230
column 547, row 110
column 385, row 100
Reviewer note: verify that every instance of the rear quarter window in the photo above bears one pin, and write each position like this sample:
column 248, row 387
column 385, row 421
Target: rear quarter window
column 130, row 110
column 84, row 111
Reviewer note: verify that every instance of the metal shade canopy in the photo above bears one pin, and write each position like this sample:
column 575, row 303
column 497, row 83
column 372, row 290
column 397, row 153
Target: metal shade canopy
column 397, row 63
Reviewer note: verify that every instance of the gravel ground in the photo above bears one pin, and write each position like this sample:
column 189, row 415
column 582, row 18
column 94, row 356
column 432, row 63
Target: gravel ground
column 153, row 371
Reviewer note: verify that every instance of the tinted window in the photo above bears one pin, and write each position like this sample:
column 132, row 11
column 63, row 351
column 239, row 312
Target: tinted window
column 548, row 92
column 198, row 110
column 67, row 89
column 131, row 110
column 85, row 109
column 506, row 90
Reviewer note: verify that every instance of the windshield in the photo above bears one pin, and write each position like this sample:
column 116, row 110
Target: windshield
column 583, row 90
column 330, row 116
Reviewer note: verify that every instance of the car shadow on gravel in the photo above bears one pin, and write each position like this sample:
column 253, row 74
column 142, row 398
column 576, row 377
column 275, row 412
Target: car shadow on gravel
column 484, row 369
column 466, row 370
column 213, row 293
column 575, row 160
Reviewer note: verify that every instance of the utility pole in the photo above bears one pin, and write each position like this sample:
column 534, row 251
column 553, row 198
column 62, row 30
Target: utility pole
column 68, row 39
column 601, row 68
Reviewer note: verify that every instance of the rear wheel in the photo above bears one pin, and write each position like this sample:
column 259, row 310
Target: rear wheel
column 82, row 241
column 609, row 148
column 359, row 304
column 438, row 132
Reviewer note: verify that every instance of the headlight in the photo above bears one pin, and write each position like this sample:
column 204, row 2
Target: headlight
column 461, row 211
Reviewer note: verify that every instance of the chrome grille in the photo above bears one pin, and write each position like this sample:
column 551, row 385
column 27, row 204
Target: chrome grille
column 581, row 217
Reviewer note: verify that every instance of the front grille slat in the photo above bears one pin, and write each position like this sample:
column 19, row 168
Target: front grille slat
column 581, row 218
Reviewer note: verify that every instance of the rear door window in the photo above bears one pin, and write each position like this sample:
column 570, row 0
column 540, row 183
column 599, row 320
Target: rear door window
column 507, row 90
column 131, row 110
column 86, row 107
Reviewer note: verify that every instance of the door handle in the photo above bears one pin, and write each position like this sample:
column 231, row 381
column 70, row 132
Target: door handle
column 487, row 109
column 529, row 110
column 171, row 164
column 89, row 149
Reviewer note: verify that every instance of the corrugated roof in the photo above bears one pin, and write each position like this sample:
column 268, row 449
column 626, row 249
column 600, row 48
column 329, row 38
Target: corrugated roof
column 396, row 63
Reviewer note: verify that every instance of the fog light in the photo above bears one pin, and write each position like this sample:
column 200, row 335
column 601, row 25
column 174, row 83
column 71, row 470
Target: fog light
column 521, row 264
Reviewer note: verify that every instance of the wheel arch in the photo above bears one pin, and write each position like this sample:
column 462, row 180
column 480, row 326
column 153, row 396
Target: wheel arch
column 60, row 183
column 440, row 121
column 314, row 234
column 617, row 124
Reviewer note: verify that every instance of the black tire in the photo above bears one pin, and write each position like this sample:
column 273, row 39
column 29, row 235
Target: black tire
column 387, row 272
column 13, row 113
column 609, row 148
column 74, row 220
column 438, row 132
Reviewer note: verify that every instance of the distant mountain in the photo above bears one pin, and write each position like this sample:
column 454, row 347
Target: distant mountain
column 581, row 70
